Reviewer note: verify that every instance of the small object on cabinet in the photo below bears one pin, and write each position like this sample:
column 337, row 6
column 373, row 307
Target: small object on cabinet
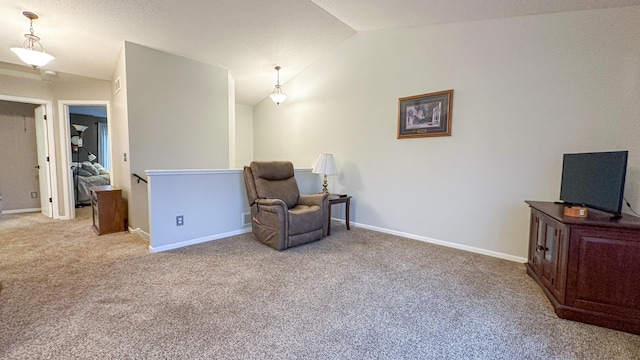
column 576, row 211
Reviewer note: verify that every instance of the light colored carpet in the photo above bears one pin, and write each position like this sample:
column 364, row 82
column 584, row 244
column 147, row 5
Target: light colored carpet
column 357, row 294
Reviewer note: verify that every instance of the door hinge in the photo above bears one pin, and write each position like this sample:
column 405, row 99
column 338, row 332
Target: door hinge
column 47, row 159
column 50, row 200
column 45, row 117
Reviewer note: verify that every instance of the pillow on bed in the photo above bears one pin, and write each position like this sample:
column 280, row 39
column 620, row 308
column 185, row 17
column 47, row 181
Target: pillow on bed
column 84, row 172
column 101, row 169
column 90, row 168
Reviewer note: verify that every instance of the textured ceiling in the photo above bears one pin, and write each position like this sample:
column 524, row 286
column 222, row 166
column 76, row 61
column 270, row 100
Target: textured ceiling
column 363, row 15
column 247, row 37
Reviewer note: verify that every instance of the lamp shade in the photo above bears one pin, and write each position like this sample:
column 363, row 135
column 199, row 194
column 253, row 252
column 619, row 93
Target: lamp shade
column 277, row 96
column 34, row 58
column 325, row 165
column 80, row 128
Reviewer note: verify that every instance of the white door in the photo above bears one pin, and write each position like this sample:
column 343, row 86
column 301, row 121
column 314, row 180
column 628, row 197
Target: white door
column 43, row 161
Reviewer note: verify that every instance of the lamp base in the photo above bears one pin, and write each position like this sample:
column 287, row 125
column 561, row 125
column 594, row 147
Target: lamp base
column 325, row 185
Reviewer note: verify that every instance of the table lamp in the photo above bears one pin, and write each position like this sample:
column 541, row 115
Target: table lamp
column 325, row 166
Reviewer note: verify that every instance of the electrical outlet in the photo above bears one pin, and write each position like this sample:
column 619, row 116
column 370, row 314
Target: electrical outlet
column 179, row 220
column 34, row 194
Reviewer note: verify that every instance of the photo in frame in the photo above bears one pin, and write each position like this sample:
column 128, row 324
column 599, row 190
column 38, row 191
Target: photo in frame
column 425, row 115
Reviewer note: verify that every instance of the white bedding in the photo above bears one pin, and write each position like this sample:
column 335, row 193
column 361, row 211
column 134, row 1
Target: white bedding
column 85, row 181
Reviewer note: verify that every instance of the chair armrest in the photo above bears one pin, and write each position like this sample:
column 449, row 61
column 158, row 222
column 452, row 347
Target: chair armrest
column 312, row 199
column 269, row 204
column 271, row 213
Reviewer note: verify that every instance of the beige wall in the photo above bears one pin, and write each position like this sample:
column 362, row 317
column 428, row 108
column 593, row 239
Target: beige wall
column 177, row 116
column 119, row 128
column 28, row 87
column 527, row 90
column 18, row 156
column 243, row 136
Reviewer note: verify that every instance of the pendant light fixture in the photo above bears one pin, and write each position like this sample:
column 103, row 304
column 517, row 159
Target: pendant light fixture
column 277, row 95
column 29, row 52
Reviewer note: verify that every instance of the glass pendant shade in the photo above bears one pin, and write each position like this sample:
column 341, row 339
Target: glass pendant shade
column 33, row 57
column 277, row 95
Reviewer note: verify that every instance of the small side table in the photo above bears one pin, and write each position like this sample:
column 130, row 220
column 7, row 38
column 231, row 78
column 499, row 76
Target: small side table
column 106, row 205
column 338, row 199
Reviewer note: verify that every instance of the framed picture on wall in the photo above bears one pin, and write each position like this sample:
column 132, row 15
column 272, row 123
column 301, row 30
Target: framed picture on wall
column 425, row 115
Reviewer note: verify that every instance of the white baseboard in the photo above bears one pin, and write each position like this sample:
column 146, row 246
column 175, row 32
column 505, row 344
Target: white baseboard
column 444, row 243
column 197, row 241
column 374, row 228
column 20, row 211
column 140, row 232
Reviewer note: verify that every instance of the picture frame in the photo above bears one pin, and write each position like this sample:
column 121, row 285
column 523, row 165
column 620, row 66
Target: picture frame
column 425, row 115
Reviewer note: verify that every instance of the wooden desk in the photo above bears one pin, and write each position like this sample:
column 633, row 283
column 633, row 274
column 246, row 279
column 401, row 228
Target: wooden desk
column 336, row 199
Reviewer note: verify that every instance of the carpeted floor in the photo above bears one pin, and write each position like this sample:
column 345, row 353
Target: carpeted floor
column 357, row 294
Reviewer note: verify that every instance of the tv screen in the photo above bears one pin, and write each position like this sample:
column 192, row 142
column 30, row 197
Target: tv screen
column 594, row 180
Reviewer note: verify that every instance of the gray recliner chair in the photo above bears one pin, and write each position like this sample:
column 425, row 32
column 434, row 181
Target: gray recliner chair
column 281, row 216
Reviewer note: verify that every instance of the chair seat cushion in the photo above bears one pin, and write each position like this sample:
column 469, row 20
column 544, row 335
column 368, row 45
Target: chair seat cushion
column 303, row 219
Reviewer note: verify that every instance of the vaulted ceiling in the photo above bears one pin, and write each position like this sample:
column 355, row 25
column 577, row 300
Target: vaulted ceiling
column 246, row 37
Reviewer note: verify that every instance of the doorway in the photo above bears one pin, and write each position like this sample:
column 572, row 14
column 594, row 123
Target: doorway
column 85, row 132
column 30, row 152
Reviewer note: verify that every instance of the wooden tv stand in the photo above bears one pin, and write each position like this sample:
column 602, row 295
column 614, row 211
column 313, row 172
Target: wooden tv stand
column 589, row 268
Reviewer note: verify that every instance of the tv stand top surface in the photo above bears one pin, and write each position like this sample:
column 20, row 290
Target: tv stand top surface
column 594, row 217
column 570, row 205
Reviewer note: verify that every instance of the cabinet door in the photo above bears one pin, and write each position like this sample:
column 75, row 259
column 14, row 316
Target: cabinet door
column 603, row 272
column 553, row 264
column 536, row 243
column 549, row 252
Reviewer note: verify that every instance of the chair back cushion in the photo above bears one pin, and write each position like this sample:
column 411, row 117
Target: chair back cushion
column 275, row 180
column 250, row 185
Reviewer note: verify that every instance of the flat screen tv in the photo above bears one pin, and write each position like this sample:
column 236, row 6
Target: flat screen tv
column 594, row 180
